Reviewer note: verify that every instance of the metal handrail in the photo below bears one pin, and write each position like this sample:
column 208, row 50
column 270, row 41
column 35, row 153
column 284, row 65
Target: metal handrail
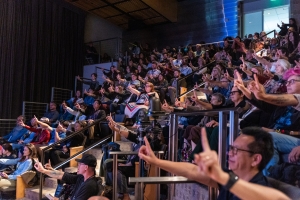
column 173, row 136
column 191, row 74
column 140, row 181
column 115, row 168
column 72, row 157
column 160, row 180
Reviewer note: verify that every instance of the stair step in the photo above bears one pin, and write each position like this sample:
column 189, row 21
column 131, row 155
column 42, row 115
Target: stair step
column 33, row 193
column 50, row 182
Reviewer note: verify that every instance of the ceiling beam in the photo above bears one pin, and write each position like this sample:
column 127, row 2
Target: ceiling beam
column 166, row 8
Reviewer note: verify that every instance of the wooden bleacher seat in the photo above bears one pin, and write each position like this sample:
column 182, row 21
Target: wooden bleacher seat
column 182, row 90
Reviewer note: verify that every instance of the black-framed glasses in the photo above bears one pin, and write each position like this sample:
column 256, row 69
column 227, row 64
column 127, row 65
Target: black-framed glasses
column 235, row 150
column 232, row 92
column 291, row 82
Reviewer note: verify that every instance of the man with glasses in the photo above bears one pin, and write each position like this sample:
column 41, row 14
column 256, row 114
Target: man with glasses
column 85, row 181
column 285, row 115
column 248, row 155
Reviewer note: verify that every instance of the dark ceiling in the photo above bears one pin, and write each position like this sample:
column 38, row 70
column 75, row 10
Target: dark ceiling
column 124, row 13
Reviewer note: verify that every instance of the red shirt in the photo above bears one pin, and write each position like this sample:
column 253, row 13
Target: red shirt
column 41, row 135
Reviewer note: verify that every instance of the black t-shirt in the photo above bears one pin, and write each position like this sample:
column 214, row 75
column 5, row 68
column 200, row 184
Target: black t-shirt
column 224, row 194
column 83, row 189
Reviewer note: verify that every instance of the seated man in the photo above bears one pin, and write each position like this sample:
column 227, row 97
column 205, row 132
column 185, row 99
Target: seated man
column 247, row 157
column 42, row 136
column 17, row 132
column 56, row 134
column 172, row 89
column 96, row 115
column 52, row 114
column 85, row 181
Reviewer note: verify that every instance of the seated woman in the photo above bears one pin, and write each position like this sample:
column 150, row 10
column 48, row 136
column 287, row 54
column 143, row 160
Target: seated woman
column 24, row 164
column 142, row 104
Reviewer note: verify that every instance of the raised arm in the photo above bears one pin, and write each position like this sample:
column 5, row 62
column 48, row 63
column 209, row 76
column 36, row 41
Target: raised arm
column 275, row 99
column 185, row 169
column 134, row 91
column 49, row 172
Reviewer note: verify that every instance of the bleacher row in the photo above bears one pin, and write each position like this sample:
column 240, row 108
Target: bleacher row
column 228, row 60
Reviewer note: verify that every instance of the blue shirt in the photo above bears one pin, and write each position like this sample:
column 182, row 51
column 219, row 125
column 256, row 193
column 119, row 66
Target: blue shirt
column 15, row 134
column 62, row 135
column 21, row 166
column 185, row 70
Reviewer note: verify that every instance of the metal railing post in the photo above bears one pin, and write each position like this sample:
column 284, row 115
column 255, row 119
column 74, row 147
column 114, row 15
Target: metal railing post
column 222, row 138
column 233, row 126
column 115, row 177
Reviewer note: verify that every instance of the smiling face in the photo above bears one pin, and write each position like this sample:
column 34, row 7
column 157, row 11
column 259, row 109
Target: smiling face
column 242, row 161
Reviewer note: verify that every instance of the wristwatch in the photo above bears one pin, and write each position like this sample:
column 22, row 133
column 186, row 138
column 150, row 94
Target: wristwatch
column 232, row 180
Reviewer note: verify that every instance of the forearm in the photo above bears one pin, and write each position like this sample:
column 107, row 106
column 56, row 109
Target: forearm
column 185, row 169
column 280, row 100
column 53, row 173
column 205, row 105
column 250, row 191
column 134, row 91
column 44, row 125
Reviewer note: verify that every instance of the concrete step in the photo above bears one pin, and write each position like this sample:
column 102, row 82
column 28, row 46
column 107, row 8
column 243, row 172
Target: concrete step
column 33, row 193
column 50, row 182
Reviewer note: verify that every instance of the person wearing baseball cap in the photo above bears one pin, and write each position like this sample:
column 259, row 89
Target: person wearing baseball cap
column 85, row 181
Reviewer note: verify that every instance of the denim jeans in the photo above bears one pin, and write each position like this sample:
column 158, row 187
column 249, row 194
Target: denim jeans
column 283, row 144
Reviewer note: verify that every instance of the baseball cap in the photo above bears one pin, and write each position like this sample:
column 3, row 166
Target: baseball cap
column 88, row 159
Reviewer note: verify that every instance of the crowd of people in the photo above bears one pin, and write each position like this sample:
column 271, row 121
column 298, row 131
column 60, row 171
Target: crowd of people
column 259, row 75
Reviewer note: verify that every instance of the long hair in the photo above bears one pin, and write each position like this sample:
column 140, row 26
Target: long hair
column 32, row 150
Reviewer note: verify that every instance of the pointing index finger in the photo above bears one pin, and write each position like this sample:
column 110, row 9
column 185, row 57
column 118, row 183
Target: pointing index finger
column 204, row 140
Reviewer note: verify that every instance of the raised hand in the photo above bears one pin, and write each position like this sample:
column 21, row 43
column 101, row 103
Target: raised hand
column 238, row 82
column 207, row 161
column 146, row 153
column 48, row 165
column 258, row 89
column 177, row 102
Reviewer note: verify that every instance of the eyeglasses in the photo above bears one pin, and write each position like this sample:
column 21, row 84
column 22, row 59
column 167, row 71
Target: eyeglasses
column 235, row 150
column 291, row 82
column 232, row 92
column 147, row 86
